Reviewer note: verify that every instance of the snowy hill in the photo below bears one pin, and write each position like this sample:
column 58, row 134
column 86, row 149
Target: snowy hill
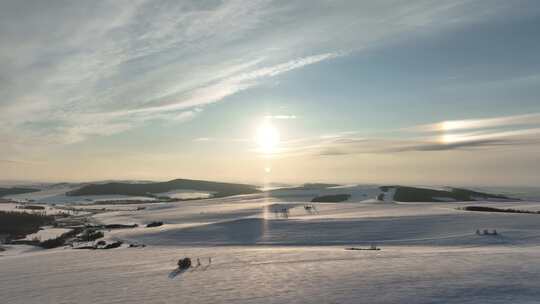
column 142, row 189
column 278, row 247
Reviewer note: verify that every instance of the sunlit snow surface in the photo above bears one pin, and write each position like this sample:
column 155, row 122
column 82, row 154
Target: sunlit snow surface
column 57, row 195
column 275, row 275
column 47, row 233
column 186, row 194
column 430, row 254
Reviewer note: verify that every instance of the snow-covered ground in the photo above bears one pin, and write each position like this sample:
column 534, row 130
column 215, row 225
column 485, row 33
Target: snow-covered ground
column 270, row 248
column 275, row 275
column 186, row 194
column 47, row 233
column 358, row 192
column 252, row 220
column 57, row 195
column 49, row 210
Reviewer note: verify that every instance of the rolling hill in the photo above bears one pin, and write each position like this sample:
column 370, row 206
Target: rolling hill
column 414, row 194
column 15, row 190
column 149, row 189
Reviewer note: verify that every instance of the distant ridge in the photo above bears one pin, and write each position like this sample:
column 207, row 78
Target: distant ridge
column 311, row 186
column 149, row 189
column 414, row 194
column 15, row 190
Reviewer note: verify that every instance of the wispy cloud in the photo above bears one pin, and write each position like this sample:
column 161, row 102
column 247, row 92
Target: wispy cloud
column 281, row 117
column 228, row 86
column 487, row 133
column 485, row 123
column 221, row 140
column 69, row 71
column 9, row 161
column 18, row 162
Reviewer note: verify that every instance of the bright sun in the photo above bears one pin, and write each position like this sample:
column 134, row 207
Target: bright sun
column 267, row 138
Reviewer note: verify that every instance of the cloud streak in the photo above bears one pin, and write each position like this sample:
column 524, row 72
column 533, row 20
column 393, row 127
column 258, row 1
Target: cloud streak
column 489, row 133
column 70, row 71
column 485, row 123
column 229, row 86
column 281, row 117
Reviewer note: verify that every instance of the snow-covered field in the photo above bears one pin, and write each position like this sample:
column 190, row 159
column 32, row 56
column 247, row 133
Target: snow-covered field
column 275, row 275
column 268, row 248
column 47, row 233
column 186, row 194
column 57, row 195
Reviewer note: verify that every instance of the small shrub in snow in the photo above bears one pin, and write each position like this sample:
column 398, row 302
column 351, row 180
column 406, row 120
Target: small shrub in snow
column 90, row 235
column 335, row 198
column 184, row 263
column 113, row 245
column 120, row 226
column 59, row 241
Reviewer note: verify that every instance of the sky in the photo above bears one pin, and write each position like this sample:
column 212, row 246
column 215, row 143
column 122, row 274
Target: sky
column 411, row 92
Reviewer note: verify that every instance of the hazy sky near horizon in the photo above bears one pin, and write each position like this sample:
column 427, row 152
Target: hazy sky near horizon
column 416, row 92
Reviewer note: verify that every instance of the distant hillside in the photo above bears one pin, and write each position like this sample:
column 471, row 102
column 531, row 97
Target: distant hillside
column 11, row 191
column 413, row 194
column 311, row 186
column 145, row 189
column 335, row 198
